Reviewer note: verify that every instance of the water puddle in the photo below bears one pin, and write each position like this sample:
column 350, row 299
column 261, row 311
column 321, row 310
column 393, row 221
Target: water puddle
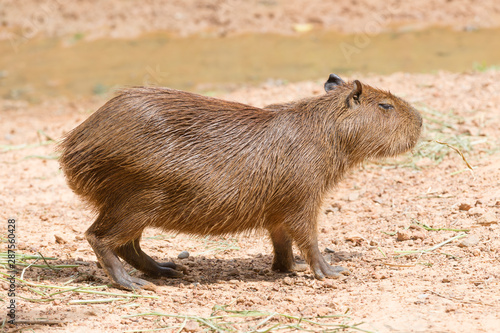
column 35, row 69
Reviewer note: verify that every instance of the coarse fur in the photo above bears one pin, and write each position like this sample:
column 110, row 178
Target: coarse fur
column 181, row 162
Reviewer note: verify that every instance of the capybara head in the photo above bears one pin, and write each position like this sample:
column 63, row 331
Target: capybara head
column 370, row 122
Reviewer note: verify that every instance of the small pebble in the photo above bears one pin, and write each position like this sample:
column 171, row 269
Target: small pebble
column 322, row 311
column 291, row 299
column 403, row 235
column 59, row 239
column 353, row 196
column 419, row 235
column 191, row 326
column 471, row 240
column 476, row 211
column 464, row 206
column 333, row 208
column 488, row 218
column 379, row 276
column 329, row 250
column 423, row 296
column 183, row 255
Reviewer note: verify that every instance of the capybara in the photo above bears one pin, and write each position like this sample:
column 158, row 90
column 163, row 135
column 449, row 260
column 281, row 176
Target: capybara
column 181, row 162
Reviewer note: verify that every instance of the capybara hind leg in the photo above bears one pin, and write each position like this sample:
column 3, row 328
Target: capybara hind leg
column 133, row 254
column 283, row 254
column 112, row 265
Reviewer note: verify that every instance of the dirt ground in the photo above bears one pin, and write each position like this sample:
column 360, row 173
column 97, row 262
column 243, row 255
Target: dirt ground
column 427, row 203
column 92, row 19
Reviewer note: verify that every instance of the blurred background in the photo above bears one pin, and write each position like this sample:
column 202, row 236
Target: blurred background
column 55, row 48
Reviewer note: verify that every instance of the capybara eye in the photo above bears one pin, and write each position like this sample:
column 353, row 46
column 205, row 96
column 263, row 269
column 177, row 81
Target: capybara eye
column 386, row 106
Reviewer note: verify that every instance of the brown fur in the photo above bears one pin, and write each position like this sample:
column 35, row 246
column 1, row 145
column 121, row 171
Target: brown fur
column 158, row 157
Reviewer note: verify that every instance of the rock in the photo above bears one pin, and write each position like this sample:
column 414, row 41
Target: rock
column 464, row 206
column 291, row 299
column 471, row 240
column 333, row 208
column 60, row 240
column 343, row 256
column 488, row 218
column 353, row 196
column 322, row 311
column 419, row 235
column 403, row 235
column 379, row 276
column 357, row 240
column 328, row 283
column 423, row 296
column 476, row 211
column 233, row 272
column 191, row 326
column 183, row 255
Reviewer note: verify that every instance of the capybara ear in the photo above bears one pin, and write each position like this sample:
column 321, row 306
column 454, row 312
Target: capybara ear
column 355, row 93
column 332, row 82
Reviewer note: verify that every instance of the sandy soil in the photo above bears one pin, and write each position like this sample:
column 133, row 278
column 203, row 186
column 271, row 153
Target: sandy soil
column 452, row 288
column 99, row 18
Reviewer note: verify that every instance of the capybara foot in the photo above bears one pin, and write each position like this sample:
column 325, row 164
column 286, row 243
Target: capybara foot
column 130, row 282
column 177, row 267
column 336, row 271
column 132, row 253
column 330, row 272
column 169, row 269
column 322, row 269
